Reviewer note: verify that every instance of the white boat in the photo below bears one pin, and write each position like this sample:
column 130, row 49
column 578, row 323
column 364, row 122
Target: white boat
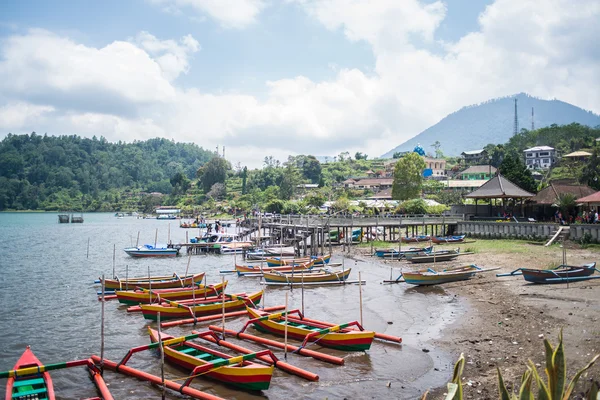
column 148, row 250
column 224, row 243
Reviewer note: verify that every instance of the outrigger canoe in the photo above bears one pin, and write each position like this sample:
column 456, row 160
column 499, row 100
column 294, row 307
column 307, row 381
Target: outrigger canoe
column 275, row 277
column 153, row 282
column 415, row 239
column 562, row 274
column 393, row 253
column 34, row 386
column 244, row 375
column 431, row 277
column 146, row 296
column 279, row 261
column 447, row 239
column 245, row 269
column 334, row 337
column 176, row 310
column 434, row 256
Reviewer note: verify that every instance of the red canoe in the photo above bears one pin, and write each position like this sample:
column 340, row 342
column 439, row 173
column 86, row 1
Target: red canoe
column 34, row 386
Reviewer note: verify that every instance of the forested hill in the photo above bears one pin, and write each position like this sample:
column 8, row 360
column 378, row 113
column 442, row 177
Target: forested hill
column 73, row 173
column 473, row 127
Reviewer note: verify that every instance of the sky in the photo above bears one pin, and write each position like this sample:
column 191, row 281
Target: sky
column 284, row 77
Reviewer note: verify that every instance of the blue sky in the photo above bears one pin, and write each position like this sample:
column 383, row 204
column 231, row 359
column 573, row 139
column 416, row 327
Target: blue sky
column 266, row 77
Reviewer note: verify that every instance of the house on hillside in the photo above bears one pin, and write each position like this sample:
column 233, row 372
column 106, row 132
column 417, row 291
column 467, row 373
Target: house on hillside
column 478, row 172
column 437, row 166
column 540, row 157
column 474, row 157
column 375, row 184
column 460, row 185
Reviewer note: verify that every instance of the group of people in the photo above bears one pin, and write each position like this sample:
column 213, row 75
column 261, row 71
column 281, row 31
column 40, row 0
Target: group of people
column 590, row 217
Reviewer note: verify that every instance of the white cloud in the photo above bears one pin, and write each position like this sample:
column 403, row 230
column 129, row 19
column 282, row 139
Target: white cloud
column 172, row 57
column 127, row 90
column 238, row 14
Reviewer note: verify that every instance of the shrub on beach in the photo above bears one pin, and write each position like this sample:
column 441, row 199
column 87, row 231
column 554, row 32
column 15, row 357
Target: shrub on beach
column 556, row 387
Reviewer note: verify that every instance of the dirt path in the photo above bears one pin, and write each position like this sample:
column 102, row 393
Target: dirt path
column 507, row 319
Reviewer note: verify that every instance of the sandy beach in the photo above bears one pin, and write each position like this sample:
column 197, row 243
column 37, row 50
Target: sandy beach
column 504, row 320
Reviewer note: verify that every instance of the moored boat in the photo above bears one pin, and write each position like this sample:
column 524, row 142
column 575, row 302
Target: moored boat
column 393, row 253
column 347, row 340
column 431, row 277
column 324, row 276
column 32, row 386
column 561, row 274
column 244, row 375
column 148, row 250
column 317, row 260
column 415, row 239
column 447, row 239
column 245, row 269
column 176, row 310
column 433, row 256
column 152, row 282
column 146, row 296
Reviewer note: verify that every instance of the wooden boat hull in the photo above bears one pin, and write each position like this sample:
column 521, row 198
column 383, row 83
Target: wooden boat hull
column 423, row 278
column 393, row 253
column 348, row 341
column 447, row 239
column 431, row 257
column 244, row 269
column 145, row 296
column 415, row 239
column 35, row 386
column 307, row 278
column 150, row 311
column 565, row 272
column 248, row 376
column 157, row 282
column 277, row 261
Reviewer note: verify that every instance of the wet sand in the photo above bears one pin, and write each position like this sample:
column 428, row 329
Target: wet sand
column 501, row 322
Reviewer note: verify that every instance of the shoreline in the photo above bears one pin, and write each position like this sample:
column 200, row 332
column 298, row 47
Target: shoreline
column 504, row 321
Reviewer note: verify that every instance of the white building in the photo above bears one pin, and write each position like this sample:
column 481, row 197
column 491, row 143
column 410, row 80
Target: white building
column 540, row 157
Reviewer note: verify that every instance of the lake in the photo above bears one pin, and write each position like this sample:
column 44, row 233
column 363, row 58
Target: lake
column 49, row 301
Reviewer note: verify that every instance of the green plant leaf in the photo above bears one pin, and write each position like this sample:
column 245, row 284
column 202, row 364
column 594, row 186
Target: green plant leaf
column 452, row 391
column 593, row 393
column 549, row 369
column 543, row 393
column 573, row 382
column 557, row 388
column 504, row 393
column 525, row 391
column 456, row 377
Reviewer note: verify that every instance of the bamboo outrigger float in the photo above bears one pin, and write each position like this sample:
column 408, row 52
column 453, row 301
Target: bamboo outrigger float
column 178, row 387
column 153, row 282
column 335, row 336
column 179, row 310
column 147, row 296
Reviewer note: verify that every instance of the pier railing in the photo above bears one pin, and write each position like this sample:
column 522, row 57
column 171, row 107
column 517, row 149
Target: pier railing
column 359, row 220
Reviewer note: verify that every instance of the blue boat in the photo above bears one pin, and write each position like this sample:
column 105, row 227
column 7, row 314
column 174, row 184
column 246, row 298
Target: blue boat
column 148, row 250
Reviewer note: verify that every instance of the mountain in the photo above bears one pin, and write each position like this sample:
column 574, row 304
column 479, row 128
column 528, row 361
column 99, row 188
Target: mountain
column 473, row 127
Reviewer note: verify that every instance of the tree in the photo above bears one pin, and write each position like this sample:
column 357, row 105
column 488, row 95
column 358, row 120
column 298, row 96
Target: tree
column 516, row 172
column 311, row 169
column 291, row 179
column 244, row 179
column 437, row 146
column 214, row 171
column 590, row 175
column 360, row 156
column 217, row 191
column 180, row 183
column 408, row 177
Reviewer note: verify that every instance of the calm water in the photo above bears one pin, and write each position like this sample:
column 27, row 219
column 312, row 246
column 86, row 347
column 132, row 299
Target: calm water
column 49, row 302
